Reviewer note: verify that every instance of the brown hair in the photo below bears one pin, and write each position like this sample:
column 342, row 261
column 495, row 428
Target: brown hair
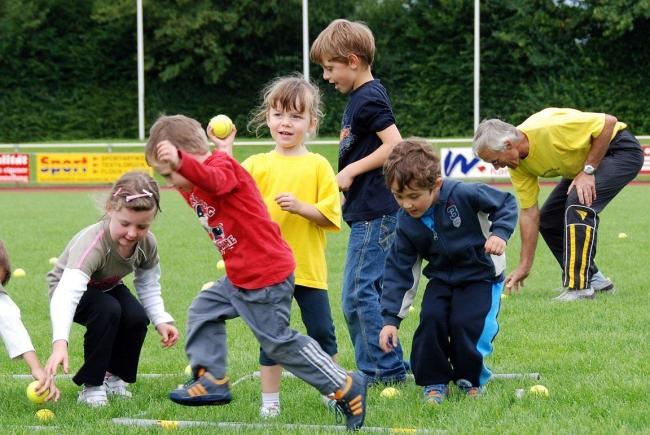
column 136, row 191
column 412, row 163
column 340, row 39
column 5, row 264
column 184, row 132
column 290, row 93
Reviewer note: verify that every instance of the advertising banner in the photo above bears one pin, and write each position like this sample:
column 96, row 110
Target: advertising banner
column 461, row 163
column 646, row 159
column 14, row 168
column 87, row 167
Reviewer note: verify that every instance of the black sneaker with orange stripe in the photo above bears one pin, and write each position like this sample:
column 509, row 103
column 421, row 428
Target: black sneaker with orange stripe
column 351, row 400
column 203, row 390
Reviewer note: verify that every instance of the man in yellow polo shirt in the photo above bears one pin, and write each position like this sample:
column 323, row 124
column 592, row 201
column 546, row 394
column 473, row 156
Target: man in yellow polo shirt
column 595, row 156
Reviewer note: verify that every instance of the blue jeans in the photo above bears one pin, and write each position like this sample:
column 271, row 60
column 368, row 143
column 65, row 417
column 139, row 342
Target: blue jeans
column 361, row 294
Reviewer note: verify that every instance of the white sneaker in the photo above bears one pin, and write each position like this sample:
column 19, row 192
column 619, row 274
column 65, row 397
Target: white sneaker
column 603, row 284
column 115, row 386
column 270, row 411
column 329, row 402
column 574, row 295
column 93, row 396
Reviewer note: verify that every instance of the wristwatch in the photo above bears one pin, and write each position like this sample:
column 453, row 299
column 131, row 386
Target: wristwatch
column 589, row 170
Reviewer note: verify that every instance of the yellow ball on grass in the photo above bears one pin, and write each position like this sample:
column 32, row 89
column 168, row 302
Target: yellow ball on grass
column 44, row 415
column 539, row 390
column 389, row 392
column 33, row 397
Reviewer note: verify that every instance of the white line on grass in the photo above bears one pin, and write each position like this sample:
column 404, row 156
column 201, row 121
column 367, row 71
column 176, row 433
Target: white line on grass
column 535, row 376
column 286, row 374
column 69, row 376
column 177, row 424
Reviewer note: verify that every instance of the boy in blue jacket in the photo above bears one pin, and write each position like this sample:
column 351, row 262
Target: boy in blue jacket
column 461, row 230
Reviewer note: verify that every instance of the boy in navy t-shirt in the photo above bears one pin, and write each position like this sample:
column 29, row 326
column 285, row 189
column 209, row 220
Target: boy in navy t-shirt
column 345, row 50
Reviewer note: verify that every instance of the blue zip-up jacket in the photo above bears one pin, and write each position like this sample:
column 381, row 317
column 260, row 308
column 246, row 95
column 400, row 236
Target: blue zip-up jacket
column 464, row 216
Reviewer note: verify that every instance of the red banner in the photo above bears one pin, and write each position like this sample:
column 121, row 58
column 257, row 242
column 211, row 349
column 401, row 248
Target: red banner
column 14, row 168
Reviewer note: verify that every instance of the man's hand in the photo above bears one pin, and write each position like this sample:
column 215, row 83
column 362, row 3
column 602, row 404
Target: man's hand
column 585, row 186
column 388, row 338
column 515, row 280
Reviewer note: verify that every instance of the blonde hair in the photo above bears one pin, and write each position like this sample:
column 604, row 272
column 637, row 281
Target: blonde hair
column 288, row 93
column 412, row 163
column 135, row 191
column 340, row 39
column 183, row 132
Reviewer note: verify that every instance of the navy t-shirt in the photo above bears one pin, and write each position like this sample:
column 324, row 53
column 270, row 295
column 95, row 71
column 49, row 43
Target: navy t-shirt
column 369, row 111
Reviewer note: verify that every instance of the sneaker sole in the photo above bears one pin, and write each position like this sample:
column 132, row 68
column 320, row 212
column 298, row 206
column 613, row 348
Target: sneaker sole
column 200, row 401
column 609, row 289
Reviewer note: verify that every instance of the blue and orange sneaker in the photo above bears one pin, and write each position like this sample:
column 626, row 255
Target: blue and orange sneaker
column 351, row 400
column 466, row 386
column 435, row 394
column 202, row 390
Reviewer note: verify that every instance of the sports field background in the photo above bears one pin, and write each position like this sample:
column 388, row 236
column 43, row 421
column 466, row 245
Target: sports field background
column 593, row 356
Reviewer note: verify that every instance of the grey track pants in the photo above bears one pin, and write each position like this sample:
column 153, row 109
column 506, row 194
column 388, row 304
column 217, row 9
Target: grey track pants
column 266, row 311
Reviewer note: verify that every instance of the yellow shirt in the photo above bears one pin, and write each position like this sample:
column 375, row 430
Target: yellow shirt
column 310, row 178
column 559, row 141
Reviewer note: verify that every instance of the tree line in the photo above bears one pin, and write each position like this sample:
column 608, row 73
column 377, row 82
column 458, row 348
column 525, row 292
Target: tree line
column 68, row 68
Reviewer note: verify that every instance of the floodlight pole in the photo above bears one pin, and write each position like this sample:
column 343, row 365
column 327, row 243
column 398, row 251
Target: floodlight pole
column 305, row 40
column 477, row 61
column 140, row 72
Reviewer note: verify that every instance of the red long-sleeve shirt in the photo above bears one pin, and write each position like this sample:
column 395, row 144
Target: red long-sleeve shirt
column 231, row 209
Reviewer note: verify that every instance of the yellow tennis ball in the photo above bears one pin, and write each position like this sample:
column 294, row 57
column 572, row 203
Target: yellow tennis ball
column 389, row 393
column 19, row 273
column 221, row 265
column 188, row 370
column 168, row 424
column 53, row 260
column 622, row 236
column 44, row 415
column 207, row 285
column 539, row 390
column 32, row 396
column 221, row 126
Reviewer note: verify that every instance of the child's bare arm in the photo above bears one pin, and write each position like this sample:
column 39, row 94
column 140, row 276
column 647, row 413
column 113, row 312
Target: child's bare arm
column 288, row 202
column 390, row 137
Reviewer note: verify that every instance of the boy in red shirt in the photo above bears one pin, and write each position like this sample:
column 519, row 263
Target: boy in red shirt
column 259, row 282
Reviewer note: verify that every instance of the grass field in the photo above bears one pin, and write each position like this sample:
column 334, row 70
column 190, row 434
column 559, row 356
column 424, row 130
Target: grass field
column 593, row 356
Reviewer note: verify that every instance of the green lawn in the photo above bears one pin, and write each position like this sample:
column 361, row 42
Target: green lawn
column 593, row 356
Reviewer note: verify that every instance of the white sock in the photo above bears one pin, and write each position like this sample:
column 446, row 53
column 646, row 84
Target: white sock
column 270, row 399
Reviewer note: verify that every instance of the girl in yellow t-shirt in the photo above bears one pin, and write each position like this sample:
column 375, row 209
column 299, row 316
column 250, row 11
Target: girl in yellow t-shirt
column 299, row 188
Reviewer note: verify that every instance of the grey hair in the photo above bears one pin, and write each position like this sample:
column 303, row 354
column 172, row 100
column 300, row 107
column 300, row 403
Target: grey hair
column 494, row 134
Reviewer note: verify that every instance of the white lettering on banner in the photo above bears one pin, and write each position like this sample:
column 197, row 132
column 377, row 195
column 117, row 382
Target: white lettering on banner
column 461, row 163
column 14, row 168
